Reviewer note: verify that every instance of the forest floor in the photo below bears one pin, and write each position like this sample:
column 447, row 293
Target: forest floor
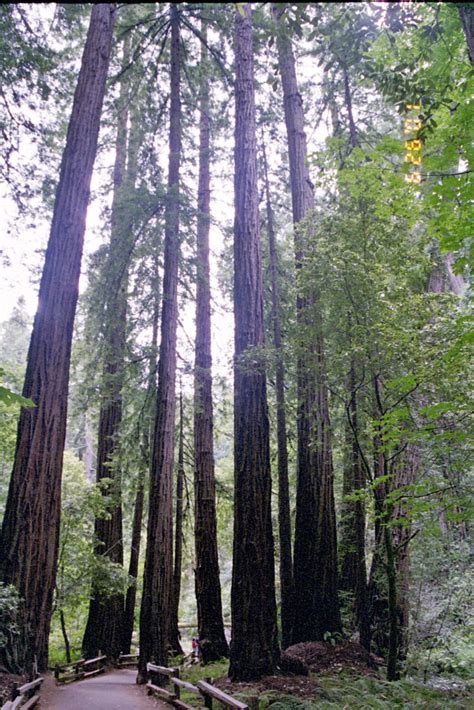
column 116, row 690
column 341, row 676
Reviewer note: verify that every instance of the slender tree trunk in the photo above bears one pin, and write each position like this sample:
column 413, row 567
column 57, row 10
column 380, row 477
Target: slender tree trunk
column 129, row 612
column 157, row 581
column 315, row 554
column 254, row 648
column 353, row 575
column 405, row 475
column 104, row 630
column 67, row 645
column 30, row 533
column 284, row 516
column 174, row 636
column 208, row 589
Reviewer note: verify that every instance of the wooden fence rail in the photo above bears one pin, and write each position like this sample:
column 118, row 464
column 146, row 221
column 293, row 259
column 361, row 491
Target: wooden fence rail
column 127, row 659
column 24, row 697
column 202, row 688
column 78, row 670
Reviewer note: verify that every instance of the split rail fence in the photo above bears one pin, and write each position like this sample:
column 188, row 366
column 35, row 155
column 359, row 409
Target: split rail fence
column 25, row 696
column 203, row 689
column 77, row 670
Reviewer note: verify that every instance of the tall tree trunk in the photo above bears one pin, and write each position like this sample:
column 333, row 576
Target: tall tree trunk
column 208, row 589
column 174, row 635
column 30, row 532
column 254, row 648
column 156, row 597
column 129, row 612
column 104, row 632
column 284, row 516
column 315, row 553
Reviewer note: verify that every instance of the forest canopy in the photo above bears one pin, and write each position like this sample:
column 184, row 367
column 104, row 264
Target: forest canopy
column 236, row 386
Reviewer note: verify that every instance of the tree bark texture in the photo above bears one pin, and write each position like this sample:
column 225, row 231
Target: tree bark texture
column 284, row 515
column 254, row 647
column 174, row 635
column 104, row 632
column 156, row 598
column 207, row 584
column 315, row 553
column 30, row 533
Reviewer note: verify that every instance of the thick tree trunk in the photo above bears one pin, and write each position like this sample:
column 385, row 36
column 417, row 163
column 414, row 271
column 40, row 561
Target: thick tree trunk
column 174, row 635
column 315, row 554
column 284, row 516
column 30, row 533
column 254, row 647
column 208, row 589
column 104, row 630
column 156, row 597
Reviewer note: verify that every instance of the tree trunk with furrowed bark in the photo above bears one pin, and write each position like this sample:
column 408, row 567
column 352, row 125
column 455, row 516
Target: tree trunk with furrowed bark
column 254, row 648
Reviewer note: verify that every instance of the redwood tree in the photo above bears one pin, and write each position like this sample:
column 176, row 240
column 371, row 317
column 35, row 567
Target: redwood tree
column 208, row 589
column 284, row 513
column 254, row 647
column 30, row 532
column 156, row 597
column 315, row 552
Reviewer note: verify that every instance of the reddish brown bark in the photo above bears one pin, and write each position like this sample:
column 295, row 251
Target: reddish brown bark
column 30, row 533
column 156, row 597
column 284, row 515
column 315, row 552
column 208, row 590
column 254, row 648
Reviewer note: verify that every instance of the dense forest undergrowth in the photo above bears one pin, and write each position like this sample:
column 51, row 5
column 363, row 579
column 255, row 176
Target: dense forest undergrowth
column 243, row 410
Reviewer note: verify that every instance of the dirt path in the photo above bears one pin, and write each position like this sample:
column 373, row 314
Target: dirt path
column 111, row 691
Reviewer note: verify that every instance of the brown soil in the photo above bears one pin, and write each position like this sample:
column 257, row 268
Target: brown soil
column 322, row 657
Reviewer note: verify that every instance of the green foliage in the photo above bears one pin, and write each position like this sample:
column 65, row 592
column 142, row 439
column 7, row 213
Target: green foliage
column 9, row 606
column 78, row 566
